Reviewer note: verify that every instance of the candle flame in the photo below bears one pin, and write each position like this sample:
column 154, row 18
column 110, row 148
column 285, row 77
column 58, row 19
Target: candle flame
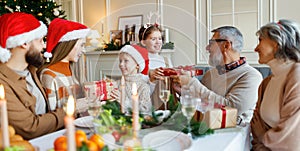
column 70, row 106
column 2, row 95
column 134, row 89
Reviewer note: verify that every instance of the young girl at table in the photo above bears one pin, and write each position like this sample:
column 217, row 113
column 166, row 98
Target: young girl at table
column 65, row 42
column 133, row 63
column 151, row 38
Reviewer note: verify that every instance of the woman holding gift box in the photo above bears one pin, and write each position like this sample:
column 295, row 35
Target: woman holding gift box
column 65, row 42
column 276, row 121
column 133, row 61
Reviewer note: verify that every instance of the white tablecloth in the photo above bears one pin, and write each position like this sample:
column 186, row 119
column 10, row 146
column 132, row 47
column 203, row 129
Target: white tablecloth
column 229, row 139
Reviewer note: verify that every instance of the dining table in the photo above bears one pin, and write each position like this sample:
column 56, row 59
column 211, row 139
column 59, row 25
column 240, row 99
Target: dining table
column 161, row 138
column 226, row 139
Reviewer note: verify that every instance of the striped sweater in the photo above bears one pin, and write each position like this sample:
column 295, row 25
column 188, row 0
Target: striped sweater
column 57, row 81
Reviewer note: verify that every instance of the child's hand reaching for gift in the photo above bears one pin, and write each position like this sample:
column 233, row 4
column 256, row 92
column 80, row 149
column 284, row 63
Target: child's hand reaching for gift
column 115, row 94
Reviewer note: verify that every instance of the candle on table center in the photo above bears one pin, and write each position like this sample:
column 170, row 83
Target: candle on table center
column 135, row 109
column 4, row 120
column 122, row 99
column 69, row 119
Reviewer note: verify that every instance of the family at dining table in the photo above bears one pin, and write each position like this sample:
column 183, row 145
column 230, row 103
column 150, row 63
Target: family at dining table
column 35, row 83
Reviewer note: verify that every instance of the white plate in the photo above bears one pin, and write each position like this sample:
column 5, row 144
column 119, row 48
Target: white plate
column 165, row 140
column 86, row 121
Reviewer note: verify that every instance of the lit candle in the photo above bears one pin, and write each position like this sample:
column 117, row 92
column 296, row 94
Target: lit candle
column 69, row 119
column 135, row 109
column 122, row 99
column 4, row 121
column 167, row 35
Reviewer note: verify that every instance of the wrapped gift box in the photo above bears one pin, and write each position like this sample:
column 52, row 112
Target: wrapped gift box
column 100, row 88
column 176, row 70
column 105, row 87
column 222, row 117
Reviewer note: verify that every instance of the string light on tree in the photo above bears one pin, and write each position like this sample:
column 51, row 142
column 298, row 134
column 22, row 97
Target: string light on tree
column 43, row 10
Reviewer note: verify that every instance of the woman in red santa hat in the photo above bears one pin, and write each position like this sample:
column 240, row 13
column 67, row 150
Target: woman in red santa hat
column 65, row 43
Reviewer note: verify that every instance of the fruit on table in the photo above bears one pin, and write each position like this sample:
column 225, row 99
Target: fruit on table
column 96, row 138
column 80, row 137
column 94, row 143
column 60, row 143
column 116, row 135
column 16, row 141
column 92, row 146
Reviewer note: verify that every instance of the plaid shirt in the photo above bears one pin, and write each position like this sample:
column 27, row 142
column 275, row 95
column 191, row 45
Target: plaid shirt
column 231, row 66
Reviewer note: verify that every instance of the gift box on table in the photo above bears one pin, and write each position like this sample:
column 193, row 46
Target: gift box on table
column 221, row 117
column 100, row 88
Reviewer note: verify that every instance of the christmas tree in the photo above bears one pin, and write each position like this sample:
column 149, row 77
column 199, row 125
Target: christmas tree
column 43, row 10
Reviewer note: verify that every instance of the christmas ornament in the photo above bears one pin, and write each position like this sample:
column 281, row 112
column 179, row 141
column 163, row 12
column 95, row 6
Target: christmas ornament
column 55, row 12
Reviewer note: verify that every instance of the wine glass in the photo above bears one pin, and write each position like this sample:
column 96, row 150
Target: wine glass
column 164, row 90
column 188, row 108
column 93, row 98
column 66, row 92
column 204, row 105
column 94, row 107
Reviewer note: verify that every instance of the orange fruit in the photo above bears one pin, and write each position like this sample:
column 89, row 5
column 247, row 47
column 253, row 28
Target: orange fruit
column 80, row 137
column 96, row 138
column 92, row 146
column 60, row 144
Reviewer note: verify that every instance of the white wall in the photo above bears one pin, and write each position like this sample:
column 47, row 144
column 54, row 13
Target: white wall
column 180, row 17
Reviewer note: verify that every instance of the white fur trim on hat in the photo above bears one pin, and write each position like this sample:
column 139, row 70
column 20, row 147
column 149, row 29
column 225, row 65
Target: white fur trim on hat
column 48, row 54
column 136, row 55
column 4, row 55
column 75, row 34
column 14, row 41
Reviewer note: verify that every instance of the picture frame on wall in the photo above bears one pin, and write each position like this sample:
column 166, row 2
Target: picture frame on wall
column 130, row 25
column 116, row 37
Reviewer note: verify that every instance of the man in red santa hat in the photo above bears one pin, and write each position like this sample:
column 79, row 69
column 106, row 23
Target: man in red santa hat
column 21, row 44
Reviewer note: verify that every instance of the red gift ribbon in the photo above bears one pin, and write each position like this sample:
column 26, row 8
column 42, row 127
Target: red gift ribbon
column 101, row 89
column 223, row 122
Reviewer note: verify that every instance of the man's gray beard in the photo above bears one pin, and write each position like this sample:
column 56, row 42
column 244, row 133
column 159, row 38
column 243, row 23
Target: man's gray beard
column 34, row 58
column 216, row 60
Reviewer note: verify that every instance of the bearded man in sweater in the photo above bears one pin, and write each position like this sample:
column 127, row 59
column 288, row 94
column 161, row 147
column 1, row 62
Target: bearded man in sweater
column 232, row 81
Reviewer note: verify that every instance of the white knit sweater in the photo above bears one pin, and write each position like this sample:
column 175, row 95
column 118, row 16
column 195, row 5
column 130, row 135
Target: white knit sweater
column 145, row 105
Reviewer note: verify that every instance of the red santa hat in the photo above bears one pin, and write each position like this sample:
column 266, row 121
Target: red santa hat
column 140, row 55
column 61, row 30
column 16, row 29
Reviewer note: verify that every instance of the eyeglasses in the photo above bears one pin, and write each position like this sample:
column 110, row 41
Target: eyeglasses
column 211, row 41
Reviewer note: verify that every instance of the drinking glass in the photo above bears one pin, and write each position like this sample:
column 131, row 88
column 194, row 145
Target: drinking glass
column 164, row 90
column 92, row 96
column 66, row 92
column 204, row 105
column 188, row 108
column 94, row 108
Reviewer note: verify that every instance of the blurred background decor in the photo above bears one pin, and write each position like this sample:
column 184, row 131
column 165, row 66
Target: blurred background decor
column 130, row 25
column 43, row 10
